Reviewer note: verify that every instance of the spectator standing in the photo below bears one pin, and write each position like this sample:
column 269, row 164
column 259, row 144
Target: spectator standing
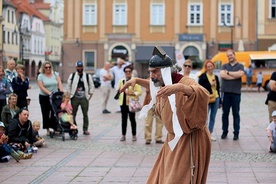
column 131, row 92
column 10, row 109
column 106, row 76
column 271, row 96
column 48, row 83
column 4, row 89
column 20, row 85
column 187, row 68
column 231, row 74
column 249, row 74
column 259, row 80
column 184, row 116
column 10, row 72
column 149, row 121
column 118, row 72
column 80, row 86
column 210, row 81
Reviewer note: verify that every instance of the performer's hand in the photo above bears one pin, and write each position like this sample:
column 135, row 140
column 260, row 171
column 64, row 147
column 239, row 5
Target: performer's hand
column 131, row 82
column 168, row 90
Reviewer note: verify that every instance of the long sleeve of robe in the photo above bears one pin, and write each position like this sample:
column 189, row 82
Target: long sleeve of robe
column 174, row 167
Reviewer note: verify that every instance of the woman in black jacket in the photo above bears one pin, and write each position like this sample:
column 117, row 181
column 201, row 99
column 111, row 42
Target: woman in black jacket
column 20, row 130
column 210, row 81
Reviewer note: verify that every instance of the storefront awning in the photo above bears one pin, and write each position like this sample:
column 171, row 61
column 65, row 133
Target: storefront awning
column 263, row 56
column 144, row 53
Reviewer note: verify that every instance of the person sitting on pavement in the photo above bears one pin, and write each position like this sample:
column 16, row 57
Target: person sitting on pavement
column 20, row 132
column 271, row 133
column 10, row 109
column 37, row 140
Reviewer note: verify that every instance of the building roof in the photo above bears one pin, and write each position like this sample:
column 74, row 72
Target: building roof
column 28, row 8
column 45, row 6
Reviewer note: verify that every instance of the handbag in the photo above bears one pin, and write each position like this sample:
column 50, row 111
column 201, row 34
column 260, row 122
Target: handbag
column 134, row 105
column 212, row 98
column 116, row 97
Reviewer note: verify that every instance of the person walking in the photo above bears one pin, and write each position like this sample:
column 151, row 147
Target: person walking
column 106, row 76
column 271, row 96
column 231, row 74
column 133, row 92
column 48, row 82
column 149, row 121
column 259, row 80
column 182, row 105
column 81, row 87
column 249, row 74
column 210, row 81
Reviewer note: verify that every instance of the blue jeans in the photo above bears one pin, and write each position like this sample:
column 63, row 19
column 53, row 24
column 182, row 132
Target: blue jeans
column 231, row 100
column 212, row 109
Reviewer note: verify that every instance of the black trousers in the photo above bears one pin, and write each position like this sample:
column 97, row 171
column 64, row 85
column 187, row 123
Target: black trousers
column 48, row 118
column 125, row 113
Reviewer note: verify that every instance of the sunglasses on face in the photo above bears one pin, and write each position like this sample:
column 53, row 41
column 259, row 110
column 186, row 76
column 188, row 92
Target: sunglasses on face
column 189, row 66
column 128, row 71
column 48, row 67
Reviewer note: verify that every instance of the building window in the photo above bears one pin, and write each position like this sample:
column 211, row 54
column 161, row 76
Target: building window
column 12, row 16
column 8, row 15
column 4, row 36
column 89, row 58
column 157, row 14
column 8, row 37
column 16, row 39
column 195, row 14
column 120, row 15
column 273, row 9
column 89, row 14
column 13, row 38
column 226, row 14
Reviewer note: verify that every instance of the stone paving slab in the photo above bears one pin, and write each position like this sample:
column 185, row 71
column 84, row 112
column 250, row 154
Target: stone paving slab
column 101, row 158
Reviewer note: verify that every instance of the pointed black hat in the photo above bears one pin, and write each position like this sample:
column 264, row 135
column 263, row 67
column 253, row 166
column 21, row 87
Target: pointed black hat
column 159, row 59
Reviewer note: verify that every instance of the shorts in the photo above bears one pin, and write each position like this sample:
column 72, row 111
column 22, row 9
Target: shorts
column 249, row 80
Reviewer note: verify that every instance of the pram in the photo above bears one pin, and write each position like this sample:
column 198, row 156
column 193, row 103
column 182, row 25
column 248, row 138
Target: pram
column 62, row 127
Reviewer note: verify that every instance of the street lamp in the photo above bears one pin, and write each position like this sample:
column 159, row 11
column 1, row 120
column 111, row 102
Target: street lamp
column 3, row 37
column 232, row 27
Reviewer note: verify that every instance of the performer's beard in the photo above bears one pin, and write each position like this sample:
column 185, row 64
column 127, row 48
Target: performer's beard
column 158, row 82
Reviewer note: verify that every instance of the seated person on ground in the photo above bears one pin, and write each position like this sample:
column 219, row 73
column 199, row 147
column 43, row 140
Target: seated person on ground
column 37, row 140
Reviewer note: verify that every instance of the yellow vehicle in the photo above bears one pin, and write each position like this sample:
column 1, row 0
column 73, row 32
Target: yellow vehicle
column 264, row 61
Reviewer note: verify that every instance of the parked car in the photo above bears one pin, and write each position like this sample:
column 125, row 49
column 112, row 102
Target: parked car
column 96, row 78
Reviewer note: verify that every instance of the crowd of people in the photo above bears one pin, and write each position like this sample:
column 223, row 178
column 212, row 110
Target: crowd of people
column 167, row 89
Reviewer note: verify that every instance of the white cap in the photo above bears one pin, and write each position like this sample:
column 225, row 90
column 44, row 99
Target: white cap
column 2, row 124
column 273, row 113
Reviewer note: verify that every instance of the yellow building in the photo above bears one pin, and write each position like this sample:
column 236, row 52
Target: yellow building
column 96, row 31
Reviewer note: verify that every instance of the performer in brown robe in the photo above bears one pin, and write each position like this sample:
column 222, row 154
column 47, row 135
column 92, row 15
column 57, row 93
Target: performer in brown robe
column 188, row 161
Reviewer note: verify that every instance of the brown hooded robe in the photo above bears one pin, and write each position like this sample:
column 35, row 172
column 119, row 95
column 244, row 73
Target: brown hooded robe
column 174, row 167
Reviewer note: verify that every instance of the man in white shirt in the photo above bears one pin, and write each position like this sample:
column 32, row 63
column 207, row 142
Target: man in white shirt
column 118, row 72
column 106, row 76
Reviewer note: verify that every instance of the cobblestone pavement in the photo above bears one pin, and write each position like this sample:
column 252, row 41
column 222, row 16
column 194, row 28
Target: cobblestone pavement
column 102, row 158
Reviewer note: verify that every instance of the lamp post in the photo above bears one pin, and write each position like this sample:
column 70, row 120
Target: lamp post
column 3, row 37
column 231, row 29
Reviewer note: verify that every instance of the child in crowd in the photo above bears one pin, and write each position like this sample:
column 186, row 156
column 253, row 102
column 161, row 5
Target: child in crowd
column 271, row 133
column 259, row 81
column 5, row 149
column 67, row 116
column 37, row 140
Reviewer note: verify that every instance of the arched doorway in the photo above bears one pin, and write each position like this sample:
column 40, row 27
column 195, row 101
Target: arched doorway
column 33, row 69
column 192, row 53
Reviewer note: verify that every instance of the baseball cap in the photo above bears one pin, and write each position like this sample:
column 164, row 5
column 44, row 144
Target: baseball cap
column 2, row 124
column 273, row 113
column 79, row 63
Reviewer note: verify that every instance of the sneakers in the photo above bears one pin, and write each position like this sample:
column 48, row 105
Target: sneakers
column 236, row 137
column 106, row 111
column 5, row 158
column 159, row 142
column 134, row 138
column 224, row 135
column 123, row 138
column 213, row 139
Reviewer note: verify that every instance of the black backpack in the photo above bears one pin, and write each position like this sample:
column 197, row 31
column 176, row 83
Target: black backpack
column 73, row 75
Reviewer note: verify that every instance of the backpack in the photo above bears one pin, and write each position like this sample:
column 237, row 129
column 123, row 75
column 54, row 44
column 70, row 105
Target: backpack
column 87, row 78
